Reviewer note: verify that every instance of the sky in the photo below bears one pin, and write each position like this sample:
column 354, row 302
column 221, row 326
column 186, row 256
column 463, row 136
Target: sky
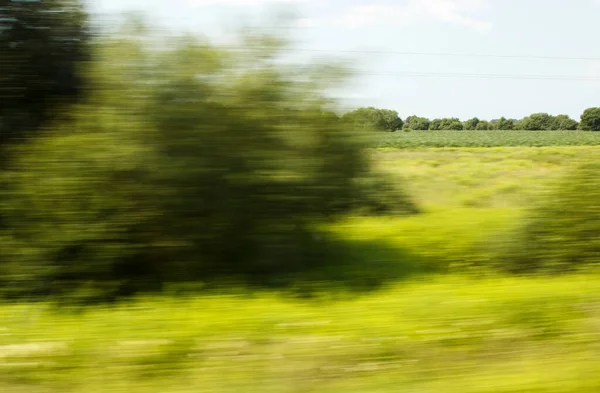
column 524, row 56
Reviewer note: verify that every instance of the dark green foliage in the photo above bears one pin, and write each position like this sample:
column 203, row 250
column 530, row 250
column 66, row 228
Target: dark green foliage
column 544, row 121
column 562, row 232
column 416, row 123
column 189, row 164
column 471, row 124
column 564, row 122
column 435, row 125
column 42, row 45
column 590, row 120
column 485, row 125
column 445, row 124
column 451, row 124
column 536, row 122
column 81, row 210
column 378, row 119
column 505, row 124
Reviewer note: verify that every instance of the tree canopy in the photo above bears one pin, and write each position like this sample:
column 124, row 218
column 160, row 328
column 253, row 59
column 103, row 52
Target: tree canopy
column 42, row 46
column 590, row 120
column 416, row 123
column 378, row 119
column 199, row 162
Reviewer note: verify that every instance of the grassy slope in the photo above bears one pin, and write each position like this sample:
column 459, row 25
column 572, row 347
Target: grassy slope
column 430, row 334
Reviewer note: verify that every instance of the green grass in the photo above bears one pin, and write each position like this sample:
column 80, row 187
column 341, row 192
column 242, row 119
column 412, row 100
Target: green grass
column 493, row 138
column 446, row 334
column 453, row 330
column 503, row 177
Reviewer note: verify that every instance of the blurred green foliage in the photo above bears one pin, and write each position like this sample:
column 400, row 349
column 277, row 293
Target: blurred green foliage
column 188, row 162
column 43, row 45
column 560, row 232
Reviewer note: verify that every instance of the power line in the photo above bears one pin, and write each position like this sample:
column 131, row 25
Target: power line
column 484, row 76
column 409, row 74
column 438, row 54
column 448, row 54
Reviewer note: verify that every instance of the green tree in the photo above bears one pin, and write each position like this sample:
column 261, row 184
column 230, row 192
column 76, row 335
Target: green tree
column 537, row 122
column 199, row 163
column 42, row 46
column 69, row 226
column 590, row 120
column 435, row 125
column 378, row 119
column 471, row 124
column 564, row 122
column 445, row 124
column 416, row 123
column 484, row 126
column 505, row 124
column 451, row 124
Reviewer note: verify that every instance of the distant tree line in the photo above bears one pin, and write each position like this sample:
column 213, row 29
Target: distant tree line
column 389, row 120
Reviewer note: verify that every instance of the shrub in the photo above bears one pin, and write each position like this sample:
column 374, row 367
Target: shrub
column 196, row 164
column 561, row 232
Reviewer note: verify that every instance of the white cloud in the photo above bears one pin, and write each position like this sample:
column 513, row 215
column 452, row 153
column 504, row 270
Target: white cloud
column 241, row 3
column 410, row 12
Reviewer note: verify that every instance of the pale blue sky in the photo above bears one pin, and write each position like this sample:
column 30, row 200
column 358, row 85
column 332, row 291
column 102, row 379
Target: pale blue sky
column 553, row 28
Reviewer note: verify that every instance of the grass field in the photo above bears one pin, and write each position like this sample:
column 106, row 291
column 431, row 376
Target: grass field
column 456, row 330
column 439, row 334
column 492, row 138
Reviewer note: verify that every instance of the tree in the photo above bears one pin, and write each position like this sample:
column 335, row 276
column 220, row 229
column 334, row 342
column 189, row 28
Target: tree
column 484, row 126
column 471, row 124
column 378, row 119
column 416, row 123
column 536, row 122
column 200, row 163
column 451, row 124
column 445, row 124
column 43, row 44
column 590, row 120
column 435, row 125
column 564, row 122
column 505, row 124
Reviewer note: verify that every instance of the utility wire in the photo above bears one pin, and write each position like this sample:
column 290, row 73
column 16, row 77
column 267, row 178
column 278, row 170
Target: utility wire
column 446, row 54
column 484, row 76
column 409, row 74
column 436, row 54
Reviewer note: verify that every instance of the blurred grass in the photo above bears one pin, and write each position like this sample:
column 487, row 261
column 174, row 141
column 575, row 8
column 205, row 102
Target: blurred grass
column 503, row 177
column 443, row 334
column 457, row 332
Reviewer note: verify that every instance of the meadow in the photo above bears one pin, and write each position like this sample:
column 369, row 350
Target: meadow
column 454, row 326
column 491, row 138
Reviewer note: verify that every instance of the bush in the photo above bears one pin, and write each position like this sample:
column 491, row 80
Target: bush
column 562, row 232
column 196, row 164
